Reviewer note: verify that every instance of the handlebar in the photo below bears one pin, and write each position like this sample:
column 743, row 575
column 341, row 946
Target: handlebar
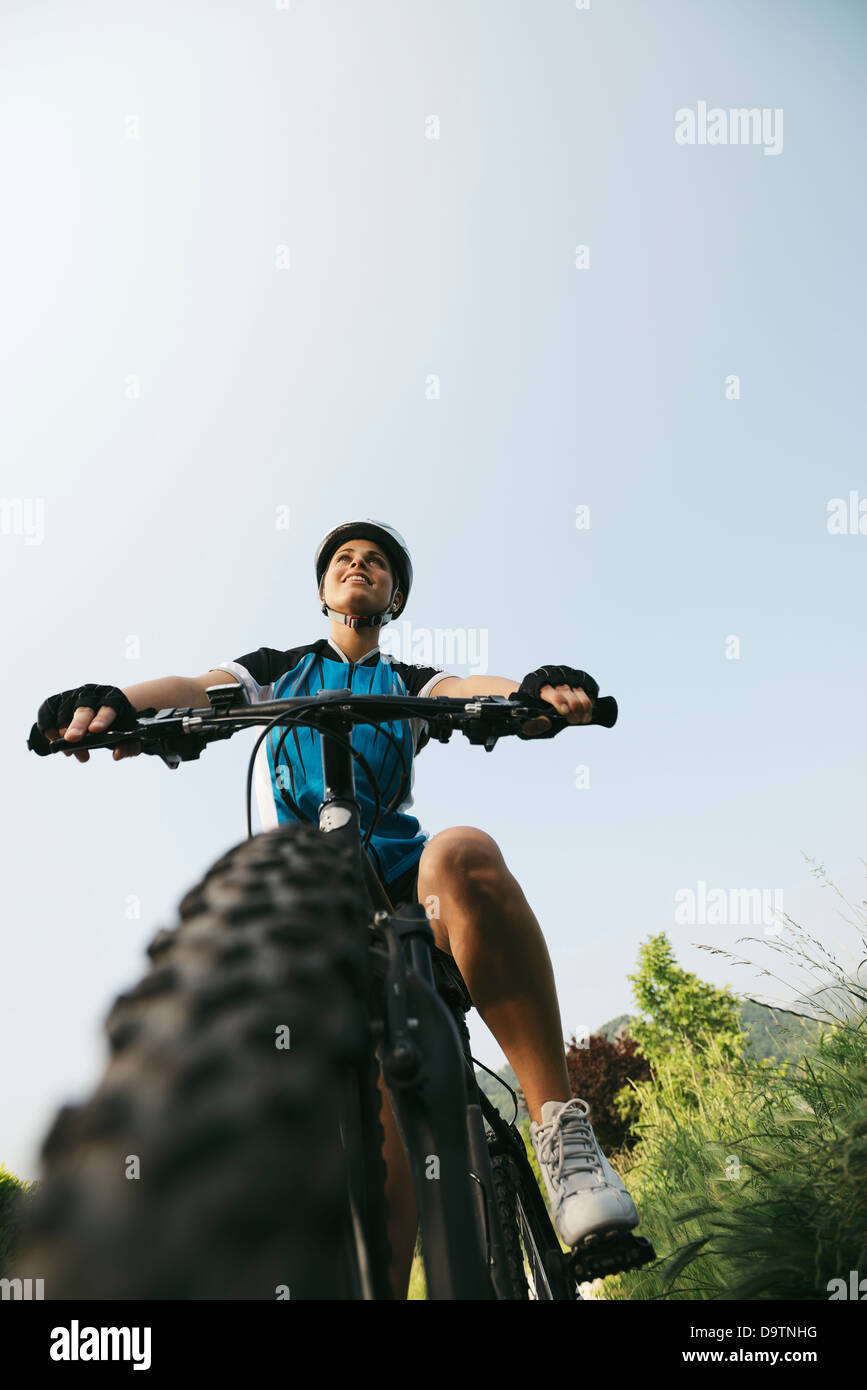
column 180, row 735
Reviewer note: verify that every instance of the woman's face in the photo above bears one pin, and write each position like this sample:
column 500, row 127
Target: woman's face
column 358, row 579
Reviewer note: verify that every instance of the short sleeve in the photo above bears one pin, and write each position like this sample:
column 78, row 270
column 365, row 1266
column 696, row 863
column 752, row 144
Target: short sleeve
column 419, row 680
column 254, row 671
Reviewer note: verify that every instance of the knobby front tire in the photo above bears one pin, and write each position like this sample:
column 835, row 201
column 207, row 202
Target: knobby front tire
column 237, row 1185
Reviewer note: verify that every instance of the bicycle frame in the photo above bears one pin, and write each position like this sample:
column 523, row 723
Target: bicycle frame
column 424, row 1052
column 420, row 1040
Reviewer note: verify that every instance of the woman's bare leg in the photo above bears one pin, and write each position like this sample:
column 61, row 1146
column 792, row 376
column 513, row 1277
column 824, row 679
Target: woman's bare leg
column 482, row 918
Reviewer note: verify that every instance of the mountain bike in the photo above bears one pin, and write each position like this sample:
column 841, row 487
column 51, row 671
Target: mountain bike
column 233, row 1146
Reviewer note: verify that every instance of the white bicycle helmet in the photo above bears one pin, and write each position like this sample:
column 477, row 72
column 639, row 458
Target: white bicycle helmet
column 395, row 548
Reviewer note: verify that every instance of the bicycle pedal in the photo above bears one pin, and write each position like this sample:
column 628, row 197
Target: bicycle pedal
column 595, row 1257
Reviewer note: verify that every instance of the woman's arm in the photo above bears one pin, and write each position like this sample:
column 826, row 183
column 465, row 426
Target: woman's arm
column 175, row 691
column 574, row 704
column 455, row 687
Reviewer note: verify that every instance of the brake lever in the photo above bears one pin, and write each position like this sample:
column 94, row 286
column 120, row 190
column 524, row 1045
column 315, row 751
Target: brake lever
column 185, row 733
column 479, row 734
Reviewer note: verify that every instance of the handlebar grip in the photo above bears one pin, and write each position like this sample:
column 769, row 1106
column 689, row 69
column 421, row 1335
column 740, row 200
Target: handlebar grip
column 605, row 712
column 38, row 743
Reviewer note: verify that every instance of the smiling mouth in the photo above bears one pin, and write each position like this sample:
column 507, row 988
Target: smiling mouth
column 356, row 579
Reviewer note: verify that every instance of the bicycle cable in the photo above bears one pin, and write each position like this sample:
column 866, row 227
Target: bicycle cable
column 277, row 720
column 403, row 785
column 502, row 1082
column 343, row 743
column 299, row 720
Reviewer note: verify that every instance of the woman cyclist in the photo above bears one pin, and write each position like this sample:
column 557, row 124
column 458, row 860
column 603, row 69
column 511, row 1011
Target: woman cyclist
column 488, row 940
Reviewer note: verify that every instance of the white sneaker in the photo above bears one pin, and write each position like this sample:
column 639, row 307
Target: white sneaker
column 587, row 1196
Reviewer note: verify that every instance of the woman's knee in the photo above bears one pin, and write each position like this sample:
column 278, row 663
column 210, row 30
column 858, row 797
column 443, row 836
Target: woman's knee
column 459, row 859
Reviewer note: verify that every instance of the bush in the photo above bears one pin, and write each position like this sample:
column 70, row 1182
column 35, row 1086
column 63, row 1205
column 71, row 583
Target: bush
column 750, row 1177
column 598, row 1073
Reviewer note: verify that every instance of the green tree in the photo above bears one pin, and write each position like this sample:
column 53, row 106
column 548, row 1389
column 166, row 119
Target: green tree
column 682, row 1007
column 684, row 1014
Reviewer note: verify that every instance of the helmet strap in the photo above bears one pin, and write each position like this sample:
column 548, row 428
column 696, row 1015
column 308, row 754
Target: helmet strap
column 357, row 620
column 361, row 619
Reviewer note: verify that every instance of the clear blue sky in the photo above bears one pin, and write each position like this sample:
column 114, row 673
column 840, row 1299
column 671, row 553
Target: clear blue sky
column 168, row 386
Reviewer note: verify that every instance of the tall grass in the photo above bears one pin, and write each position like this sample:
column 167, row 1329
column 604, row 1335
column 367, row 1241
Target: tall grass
column 13, row 1193
column 750, row 1178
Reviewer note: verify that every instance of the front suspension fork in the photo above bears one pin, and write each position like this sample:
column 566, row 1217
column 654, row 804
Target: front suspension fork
column 431, row 1084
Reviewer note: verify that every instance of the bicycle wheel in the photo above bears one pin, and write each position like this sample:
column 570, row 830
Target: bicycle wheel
column 534, row 1260
column 209, row 1163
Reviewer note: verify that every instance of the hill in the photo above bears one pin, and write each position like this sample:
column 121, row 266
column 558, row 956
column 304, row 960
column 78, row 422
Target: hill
column 498, row 1094
column 770, row 1032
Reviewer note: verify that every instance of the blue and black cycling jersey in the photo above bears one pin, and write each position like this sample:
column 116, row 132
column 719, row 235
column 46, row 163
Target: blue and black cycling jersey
column 268, row 674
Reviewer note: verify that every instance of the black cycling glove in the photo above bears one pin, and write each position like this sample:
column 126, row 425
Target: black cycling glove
column 604, row 709
column 558, row 675
column 56, row 712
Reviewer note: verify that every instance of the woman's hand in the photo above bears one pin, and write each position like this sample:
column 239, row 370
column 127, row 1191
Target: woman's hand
column 570, row 701
column 86, row 720
column 87, row 709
